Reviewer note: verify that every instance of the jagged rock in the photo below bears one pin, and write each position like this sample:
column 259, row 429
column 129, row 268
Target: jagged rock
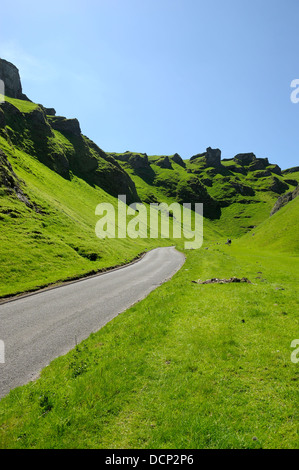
column 164, row 162
column 242, row 189
column 262, row 173
column 62, row 124
column 192, row 191
column 178, row 159
column 50, row 111
column 37, row 120
column 212, row 157
column 10, row 181
column 138, row 161
column 278, row 186
column 236, row 169
column 245, row 159
column 258, row 164
column 11, row 78
column 294, row 169
column 275, row 169
column 284, row 199
column 122, row 157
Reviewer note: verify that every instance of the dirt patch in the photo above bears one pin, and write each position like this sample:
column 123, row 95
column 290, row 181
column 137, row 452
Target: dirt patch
column 215, row 280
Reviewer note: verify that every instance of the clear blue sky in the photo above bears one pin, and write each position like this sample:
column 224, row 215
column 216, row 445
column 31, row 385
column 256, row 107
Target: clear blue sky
column 164, row 76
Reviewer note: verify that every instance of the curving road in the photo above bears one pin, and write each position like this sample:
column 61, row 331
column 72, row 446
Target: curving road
column 40, row 327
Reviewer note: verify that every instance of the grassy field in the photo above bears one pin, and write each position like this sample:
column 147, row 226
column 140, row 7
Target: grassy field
column 179, row 369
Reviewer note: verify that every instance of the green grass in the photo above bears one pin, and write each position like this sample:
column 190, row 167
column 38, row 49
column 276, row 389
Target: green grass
column 56, row 244
column 191, row 366
column 23, row 106
column 279, row 232
column 177, row 370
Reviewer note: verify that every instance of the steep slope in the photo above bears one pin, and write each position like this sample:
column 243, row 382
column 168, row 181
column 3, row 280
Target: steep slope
column 52, row 177
column 278, row 233
column 237, row 193
column 57, row 142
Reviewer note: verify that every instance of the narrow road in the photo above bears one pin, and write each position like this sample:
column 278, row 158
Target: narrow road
column 40, row 327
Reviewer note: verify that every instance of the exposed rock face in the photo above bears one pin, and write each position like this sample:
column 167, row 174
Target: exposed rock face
column 284, row 199
column 11, row 78
column 164, row 162
column 192, row 191
column 242, row 189
column 258, row 164
column 33, row 132
column 245, row 158
column 276, row 169
column 10, row 181
column 178, row 159
column 212, row 157
column 278, row 186
column 252, row 163
column 50, row 111
column 62, row 124
column 139, row 161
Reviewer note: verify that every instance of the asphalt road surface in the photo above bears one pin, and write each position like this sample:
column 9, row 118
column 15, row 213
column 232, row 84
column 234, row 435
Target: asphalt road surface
column 39, row 327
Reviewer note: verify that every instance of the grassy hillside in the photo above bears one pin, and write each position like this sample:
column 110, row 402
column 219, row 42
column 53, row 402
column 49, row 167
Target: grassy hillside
column 54, row 240
column 236, row 196
column 191, row 366
column 280, row 232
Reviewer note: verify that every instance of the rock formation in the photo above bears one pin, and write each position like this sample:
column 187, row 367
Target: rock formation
column 9, row 74
column 212, row 157
column 284, row 199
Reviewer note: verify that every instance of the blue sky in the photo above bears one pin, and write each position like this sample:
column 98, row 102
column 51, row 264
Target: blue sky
column 164, row 76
